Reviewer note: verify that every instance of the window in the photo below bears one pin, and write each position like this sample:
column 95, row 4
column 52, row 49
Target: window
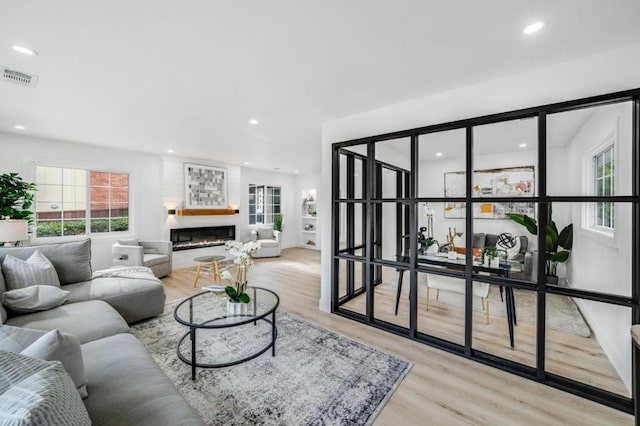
column 603, row 172
column 264, row 202
column 65, row 196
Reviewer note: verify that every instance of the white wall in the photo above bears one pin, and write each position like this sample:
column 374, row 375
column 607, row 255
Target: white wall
column 603, row 73
column 21, row 154
column 609, row 323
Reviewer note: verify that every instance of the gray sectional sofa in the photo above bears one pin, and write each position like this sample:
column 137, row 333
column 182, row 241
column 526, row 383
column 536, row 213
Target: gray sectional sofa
column 125, row 386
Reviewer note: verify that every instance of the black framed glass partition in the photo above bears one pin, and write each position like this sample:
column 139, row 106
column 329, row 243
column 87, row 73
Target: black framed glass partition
column 510, row 239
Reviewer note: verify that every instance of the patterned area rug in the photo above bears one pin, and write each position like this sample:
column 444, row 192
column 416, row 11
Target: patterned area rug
column 316, row 378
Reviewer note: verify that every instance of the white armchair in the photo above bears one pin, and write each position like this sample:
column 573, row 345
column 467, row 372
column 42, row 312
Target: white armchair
column 269, row 242
column 155, row 255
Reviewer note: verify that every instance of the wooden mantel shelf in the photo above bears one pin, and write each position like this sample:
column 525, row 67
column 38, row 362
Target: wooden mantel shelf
column 206, row 212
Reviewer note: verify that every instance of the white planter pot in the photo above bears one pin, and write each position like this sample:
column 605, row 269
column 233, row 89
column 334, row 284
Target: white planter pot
column 237, row 308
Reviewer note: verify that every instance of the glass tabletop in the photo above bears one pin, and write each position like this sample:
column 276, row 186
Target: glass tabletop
column 209, row 309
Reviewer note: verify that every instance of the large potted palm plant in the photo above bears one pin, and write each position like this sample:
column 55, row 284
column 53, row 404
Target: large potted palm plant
column 558, row 245
column 16, row 198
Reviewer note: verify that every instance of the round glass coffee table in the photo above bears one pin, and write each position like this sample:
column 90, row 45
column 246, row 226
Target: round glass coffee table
column 208, row 311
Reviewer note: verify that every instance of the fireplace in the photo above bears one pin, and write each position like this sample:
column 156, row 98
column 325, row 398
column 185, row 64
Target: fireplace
column 205, row 236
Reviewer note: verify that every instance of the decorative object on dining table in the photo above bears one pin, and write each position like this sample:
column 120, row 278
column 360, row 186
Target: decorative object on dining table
column 558, row 245
column 489, row 257
column 453, row 233
column 237, row 292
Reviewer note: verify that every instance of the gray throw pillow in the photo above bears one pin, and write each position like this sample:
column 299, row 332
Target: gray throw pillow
column 35, row 298
column 36, row 392
column 36, row 270
column 3, row 288
column 265, row 233
column 129, row 242
column 55, row 346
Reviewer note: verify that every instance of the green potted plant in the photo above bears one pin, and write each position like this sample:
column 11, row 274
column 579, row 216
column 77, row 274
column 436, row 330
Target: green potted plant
column 558, row 245
column 16, row 197
column 489, row 256
column 277, row 222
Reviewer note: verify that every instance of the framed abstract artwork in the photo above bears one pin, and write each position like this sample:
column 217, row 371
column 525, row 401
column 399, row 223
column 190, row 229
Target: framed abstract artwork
column 505, row 182
column 205, row 187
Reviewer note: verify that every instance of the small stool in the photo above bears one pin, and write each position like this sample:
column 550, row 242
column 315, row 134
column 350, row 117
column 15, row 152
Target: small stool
column 204, row 262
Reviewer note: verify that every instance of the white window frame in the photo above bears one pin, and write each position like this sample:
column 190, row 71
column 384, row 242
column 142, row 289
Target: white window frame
column 601, row 234
column 98, row 235
column 263, row 204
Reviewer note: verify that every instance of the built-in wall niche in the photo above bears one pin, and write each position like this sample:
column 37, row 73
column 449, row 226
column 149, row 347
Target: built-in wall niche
column 599, row 141
column 309, row 219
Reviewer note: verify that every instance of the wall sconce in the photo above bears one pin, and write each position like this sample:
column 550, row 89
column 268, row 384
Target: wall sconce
column 171, row 211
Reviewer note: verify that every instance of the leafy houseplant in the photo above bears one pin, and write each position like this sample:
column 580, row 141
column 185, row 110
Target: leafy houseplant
column 242, row 253
column 16, row 197
column 277, row 222
column 558, row 245
column 488, row 253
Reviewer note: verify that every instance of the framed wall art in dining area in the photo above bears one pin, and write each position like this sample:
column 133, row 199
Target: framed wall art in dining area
column 205, row 187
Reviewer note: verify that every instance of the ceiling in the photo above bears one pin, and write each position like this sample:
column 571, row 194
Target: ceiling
column 154, row 75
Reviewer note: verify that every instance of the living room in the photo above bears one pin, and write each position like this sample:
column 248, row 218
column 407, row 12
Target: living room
column 282, row 136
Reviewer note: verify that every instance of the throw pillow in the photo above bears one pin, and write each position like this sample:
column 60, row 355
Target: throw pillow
column 55, row 346
column 36, row 270
column 3, row 288
column 129, row 242
column 35, row 298
column 265, row 233
column 510, row 244
column 37, row 392
column 151, row 251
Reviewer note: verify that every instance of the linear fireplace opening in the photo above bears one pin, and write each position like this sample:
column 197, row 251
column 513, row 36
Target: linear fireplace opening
column 204, row 236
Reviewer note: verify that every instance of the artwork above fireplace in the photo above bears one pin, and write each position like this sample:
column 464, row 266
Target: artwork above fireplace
column 204, row 236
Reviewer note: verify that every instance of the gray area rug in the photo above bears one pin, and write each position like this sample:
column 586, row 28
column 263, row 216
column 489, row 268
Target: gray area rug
column 316, row 378
column 562, row 312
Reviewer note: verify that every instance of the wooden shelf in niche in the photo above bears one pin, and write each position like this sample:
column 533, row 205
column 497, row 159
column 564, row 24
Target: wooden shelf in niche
column 206, row 212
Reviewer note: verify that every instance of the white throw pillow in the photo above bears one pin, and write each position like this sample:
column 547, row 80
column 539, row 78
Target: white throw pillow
column 34, row 299
column 36, row 270
column 36, row 392
column 510, row 244
column 265, row 233
column 129, row 242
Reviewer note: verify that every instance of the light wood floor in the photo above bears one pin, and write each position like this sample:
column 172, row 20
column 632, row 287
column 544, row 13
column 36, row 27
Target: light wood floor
column 441, row 388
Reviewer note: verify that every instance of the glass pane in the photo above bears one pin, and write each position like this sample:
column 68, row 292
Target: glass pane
column 390, row 283
column 100, row 210
column 120, row 224
column 441, row 307
column 119, row 180
column 505, row 159
column 48, row 175
column 100, row 225
column 441, row 228
column 442, row 163
column 505, row 322
column 391, row 231
column 498, row 236
column 47, row 228
column 589, row 342
column 393, row 160
column 582, row 135
column 74, row 227
column 351, row 285
column 99, row 178
column 600, row 258
column 49, row 193
column 347, row 158
column 351, row 231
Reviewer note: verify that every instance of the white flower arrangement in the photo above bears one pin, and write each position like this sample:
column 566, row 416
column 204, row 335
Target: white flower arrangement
column 242, row 253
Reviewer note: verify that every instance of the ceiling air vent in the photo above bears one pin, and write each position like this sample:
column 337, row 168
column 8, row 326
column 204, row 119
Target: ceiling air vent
column 17, row 77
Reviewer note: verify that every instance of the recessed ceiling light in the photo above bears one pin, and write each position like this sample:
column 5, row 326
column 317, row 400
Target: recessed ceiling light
column 523, row 145
column 295, row 171
column 170, row 151
column 253, row 122
column 246, row 163
column 438, row 154
column 19, row 127
column 533, row 28
column 24, row 50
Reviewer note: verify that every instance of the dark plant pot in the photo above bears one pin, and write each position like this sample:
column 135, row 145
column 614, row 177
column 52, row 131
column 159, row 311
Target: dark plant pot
column 552, row 279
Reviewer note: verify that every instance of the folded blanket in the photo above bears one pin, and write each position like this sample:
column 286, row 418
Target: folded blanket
column 137, row 272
